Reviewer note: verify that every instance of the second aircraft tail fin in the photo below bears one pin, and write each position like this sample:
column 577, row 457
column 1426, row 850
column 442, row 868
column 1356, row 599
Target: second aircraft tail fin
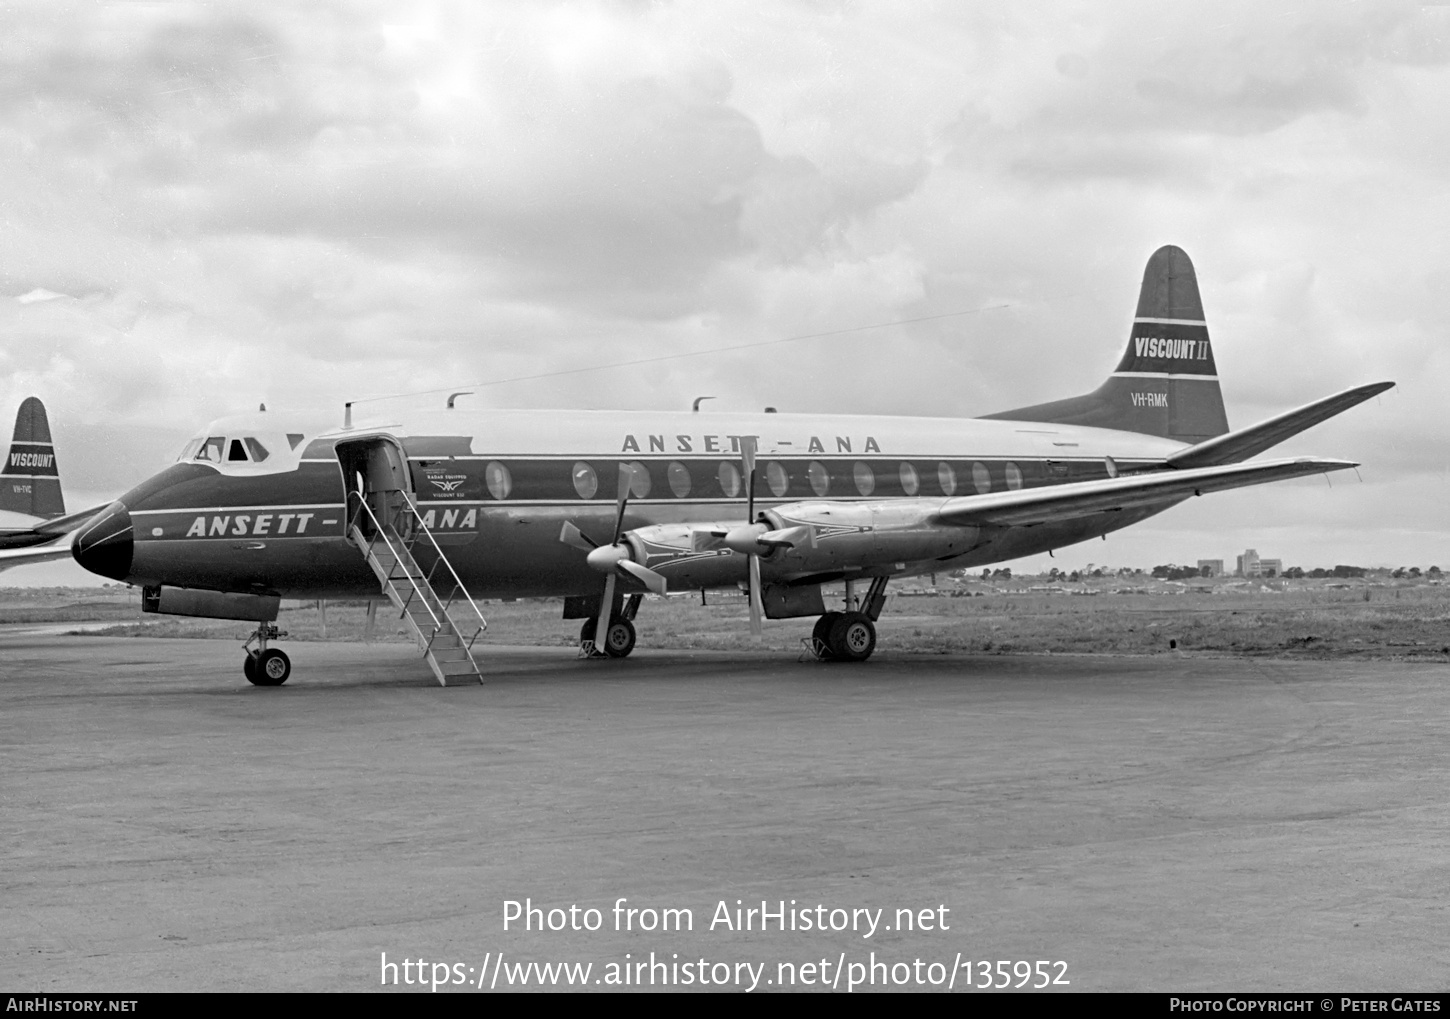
column 1167, row 382
column 29, row 479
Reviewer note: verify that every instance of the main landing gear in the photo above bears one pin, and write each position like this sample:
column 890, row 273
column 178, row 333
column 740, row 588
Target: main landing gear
column 850, row 636
column 266, row 666
column 619, row 637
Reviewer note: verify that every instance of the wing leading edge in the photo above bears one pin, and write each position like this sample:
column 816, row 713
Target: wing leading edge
column 1065, row 502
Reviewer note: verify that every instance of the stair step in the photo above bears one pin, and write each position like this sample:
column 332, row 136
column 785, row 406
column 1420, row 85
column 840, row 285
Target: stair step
column 457, row 668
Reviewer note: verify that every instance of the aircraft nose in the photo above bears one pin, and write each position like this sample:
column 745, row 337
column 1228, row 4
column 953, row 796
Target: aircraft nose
column 105, row 545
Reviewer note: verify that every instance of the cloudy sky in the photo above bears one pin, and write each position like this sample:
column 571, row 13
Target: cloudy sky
column 211, row 205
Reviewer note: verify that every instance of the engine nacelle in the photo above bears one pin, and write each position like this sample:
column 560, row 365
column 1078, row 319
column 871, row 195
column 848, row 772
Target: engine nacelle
column 800, row 539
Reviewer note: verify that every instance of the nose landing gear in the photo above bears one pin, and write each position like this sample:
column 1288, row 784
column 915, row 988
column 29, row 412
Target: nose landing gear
column 266, row 666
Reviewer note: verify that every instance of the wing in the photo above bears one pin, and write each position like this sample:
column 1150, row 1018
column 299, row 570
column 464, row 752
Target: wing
column 1085, row 498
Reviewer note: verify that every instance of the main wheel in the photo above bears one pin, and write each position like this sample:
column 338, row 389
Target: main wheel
column 249, row 667
column 853, row 637
column 821, row 635
column 271, row 668
column 619, row 639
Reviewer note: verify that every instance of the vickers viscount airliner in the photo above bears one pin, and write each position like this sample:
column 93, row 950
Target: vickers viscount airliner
column 439, row 509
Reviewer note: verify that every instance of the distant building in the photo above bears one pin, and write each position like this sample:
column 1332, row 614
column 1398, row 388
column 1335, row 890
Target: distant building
column 1250, row 565
column 1213, row 566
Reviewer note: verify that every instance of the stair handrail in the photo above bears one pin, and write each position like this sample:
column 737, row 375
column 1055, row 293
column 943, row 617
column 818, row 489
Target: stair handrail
column 381, row 532
column 441, row 558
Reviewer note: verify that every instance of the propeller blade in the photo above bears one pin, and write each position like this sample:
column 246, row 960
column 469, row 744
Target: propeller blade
column 606, row 605
column 626, row 482
column 754, row 595
column 747, row 460
column 572, row 536
column 646, row 576
column 789, row 537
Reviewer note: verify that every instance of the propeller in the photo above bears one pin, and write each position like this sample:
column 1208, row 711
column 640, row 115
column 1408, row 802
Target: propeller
column 613, row 559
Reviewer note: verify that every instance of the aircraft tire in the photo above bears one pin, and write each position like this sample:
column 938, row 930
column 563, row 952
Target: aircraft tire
column 853, row 637
column 619, row 639
column 249, row 667
column 821, row 635
column 272, row 667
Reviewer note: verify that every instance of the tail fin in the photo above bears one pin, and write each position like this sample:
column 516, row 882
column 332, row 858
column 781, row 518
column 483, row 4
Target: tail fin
column 29, row 480
column 1167, row 383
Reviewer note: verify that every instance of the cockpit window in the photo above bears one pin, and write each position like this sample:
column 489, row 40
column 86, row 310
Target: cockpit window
column 293, row 438
column 189, row 450
column 237, row 452
column 258, row 451
column 211, row 449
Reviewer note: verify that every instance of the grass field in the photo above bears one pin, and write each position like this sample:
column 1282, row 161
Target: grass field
column 1297, row 619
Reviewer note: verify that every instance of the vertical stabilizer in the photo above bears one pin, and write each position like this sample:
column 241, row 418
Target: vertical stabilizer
column 1167, row 382
column 29, row 479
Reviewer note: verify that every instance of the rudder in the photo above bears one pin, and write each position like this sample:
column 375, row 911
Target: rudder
column 30, row 479
column 1167, row 381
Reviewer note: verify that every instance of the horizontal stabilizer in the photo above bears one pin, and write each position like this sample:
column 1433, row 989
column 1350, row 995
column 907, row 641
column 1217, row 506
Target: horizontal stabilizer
column 1065, row 502
column 1246, row 442
column 58, row 549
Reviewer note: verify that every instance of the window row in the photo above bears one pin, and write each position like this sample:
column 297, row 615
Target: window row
column 707, row 480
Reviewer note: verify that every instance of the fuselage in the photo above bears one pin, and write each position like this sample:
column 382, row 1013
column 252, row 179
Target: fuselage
column 270, row 512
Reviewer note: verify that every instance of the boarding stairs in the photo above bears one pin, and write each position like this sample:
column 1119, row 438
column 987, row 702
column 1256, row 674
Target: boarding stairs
column 445, row 628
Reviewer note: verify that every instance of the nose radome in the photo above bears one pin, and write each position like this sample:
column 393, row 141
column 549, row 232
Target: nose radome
column 105, row 545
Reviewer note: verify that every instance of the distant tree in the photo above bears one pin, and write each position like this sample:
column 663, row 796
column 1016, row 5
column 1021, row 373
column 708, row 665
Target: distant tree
column 1098, row 572
column 987, row 574
column 1433, row 571
column 1205, row 571
column 1319, row 573
column 1343, row 572
column 1399, row 574
column 1414, row 571
column 1074, row 577
column 1294, row 572
column 1161, row 572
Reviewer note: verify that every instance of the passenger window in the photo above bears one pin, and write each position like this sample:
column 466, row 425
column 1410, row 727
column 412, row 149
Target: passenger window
column 729, row 477
column 981, row 478
column 865, row 480
column 679, row 478
column 1014, row 477
column 258, row 451
column 776, row 478
column 910, row 484
column 211, row 449
column 639, row 481
column 500, row 482
column 946, row 478
column 586, row 482
column 819, row 478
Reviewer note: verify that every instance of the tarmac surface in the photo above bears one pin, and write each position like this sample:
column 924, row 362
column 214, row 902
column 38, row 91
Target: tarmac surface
column 1166, row 823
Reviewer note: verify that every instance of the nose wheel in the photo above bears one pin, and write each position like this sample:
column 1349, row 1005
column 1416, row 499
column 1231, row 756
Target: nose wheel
column 265, row 666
